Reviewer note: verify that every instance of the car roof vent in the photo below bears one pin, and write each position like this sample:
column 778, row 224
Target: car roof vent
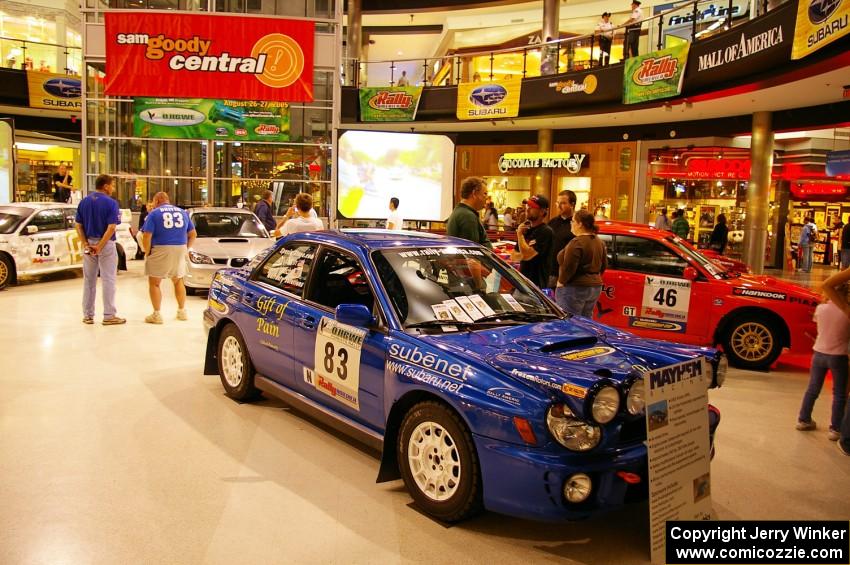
column 569, row 344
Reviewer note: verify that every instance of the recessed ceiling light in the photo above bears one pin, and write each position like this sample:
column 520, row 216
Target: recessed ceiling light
column 400, row 53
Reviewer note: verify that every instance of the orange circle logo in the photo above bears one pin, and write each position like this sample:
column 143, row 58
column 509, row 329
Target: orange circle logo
column 284, row 60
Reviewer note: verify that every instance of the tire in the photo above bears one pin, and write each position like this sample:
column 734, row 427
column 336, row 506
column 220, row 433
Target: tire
column 751, row 343
column 7, row 270
column 234, row 365
column 189, row 290
column 433, row 436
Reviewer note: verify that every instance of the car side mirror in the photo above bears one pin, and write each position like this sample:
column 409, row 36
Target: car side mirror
column 690, row 273
column 354, row 315
column 32, row 229
column 550, row 293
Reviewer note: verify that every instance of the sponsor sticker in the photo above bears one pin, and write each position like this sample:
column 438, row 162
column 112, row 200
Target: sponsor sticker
column 506, row 395
column 337, row 361
column 651, row 324
column 574, row 390
column 587, row 353
column 754, row 293
column 666, row 299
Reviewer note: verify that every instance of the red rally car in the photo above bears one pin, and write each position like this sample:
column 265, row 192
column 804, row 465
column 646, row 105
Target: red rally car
column 659, row 286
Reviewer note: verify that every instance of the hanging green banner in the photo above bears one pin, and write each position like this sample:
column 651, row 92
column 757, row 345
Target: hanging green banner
column 391, row 104
column 201, row 118
column 655, row 75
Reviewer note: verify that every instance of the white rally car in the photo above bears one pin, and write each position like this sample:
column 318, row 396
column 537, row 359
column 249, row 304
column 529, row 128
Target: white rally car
column 38, row 238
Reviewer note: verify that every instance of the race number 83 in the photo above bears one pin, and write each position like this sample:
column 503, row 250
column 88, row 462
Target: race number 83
column 336, row 358
column 337, row 361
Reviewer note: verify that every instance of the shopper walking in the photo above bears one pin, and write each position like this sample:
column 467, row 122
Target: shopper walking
column 464, row 222
column 720, row 235
column 534, row 240
column 680, row 227
column 662, row 222
column 167, row 235
column 605, row 33
column 265, row 212
column 394, row 219
column 562, row 231
column 582, row 263
column 491, row 217
column 630, row 43
column 808, row 237
column 300, row 218
column 96, row 220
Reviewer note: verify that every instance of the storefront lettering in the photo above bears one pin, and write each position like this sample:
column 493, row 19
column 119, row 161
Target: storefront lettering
column 572, row 162
column 745, row 47
column 711, row 12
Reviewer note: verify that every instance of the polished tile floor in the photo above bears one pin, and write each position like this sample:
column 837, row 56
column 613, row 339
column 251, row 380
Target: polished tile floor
column 114, row 448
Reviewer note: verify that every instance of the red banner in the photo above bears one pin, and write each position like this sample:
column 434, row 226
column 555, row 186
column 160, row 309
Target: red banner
column 208, row 56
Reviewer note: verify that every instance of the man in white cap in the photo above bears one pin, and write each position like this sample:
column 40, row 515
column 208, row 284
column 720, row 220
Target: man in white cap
column 605, row 32
column 630, row 44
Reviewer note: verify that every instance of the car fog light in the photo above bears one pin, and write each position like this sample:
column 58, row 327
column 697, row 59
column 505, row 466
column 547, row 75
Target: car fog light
column 605, row 404
column 577, row 488
column 635, row 402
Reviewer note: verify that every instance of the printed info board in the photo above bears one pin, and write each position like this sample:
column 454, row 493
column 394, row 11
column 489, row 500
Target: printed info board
column 678, row 447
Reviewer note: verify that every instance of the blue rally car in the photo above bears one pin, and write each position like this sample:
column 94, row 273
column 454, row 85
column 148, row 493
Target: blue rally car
column 478, row 390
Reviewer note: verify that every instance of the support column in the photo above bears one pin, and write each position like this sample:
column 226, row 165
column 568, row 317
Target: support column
column 354, row 40
column 758, row 191
column 548, row 66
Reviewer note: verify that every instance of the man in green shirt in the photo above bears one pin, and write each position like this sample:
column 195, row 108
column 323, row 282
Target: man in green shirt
column 464, row 221
column 680, row 224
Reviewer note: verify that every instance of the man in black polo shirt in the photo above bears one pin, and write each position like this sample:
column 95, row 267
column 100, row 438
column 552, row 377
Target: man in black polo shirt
column 562, row 228
column 534, row 239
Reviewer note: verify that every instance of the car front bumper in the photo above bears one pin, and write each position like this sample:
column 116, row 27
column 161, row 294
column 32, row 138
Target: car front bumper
column 200, row 276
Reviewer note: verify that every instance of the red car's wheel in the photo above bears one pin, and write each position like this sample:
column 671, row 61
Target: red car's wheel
column 751, row 343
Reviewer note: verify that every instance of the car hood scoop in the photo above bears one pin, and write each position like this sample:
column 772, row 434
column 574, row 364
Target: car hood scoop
column 232, row 240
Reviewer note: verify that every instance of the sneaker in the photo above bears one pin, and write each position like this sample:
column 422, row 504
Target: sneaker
column 88, row 320
column 833, row 434
column 182, row 315
column 806, row 426
column 155, row 318
column 841, row 448
column 114, row 321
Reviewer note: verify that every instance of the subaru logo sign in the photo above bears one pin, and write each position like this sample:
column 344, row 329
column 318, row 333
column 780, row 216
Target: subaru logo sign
column 488, row 95
column 820, row 10
column 63, row 87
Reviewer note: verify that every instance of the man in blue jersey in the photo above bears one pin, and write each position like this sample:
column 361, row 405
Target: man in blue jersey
column 96, row 220
column 166, row 237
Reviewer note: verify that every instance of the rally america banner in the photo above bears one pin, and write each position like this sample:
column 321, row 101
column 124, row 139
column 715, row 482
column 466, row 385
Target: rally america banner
column 203, row 56
column 392, row 104
column 55, row 92
column 655, row 75
column 488, row 100
column 197, row 118
column 819, row 23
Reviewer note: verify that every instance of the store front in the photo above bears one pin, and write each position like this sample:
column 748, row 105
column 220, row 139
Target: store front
column 601, row 174
column 37, row 159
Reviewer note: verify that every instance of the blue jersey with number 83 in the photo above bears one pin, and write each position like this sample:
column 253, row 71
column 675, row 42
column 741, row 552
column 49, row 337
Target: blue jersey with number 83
column 169, row 225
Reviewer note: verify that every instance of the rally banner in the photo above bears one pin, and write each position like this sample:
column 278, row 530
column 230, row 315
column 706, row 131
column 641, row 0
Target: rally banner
column 655, row 75
column 55, row 92
column 232, row 120
column 196, row 56
column 819, row 23
column 488, row 100
column 392, row 104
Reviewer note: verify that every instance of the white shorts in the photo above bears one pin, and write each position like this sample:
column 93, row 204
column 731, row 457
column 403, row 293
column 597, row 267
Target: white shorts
column 166, row 262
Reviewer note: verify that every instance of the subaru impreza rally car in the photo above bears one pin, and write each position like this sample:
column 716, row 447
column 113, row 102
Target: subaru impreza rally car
column 478, row 390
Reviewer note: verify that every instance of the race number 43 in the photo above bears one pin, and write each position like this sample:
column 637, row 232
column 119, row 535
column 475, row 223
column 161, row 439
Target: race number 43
column 337, row 361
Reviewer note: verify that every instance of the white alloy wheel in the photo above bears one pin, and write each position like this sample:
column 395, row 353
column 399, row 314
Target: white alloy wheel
column 231, row 361
column 434, row 461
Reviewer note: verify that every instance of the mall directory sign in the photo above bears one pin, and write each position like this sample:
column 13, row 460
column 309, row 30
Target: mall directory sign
column 392, row 104
column 200, row 118
column 819, row 23
column 655, row 75
column 203, row 56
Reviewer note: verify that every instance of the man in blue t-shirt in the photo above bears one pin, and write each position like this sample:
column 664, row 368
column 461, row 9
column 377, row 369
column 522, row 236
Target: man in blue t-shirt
column 96, row 220
column 166, row 237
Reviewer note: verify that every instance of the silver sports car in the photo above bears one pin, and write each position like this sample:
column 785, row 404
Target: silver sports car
column 227, row 237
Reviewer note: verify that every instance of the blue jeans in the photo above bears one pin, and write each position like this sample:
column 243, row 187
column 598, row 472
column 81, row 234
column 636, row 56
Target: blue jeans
column 845, row 258
column 578, row 300
column 837, row 365
column 845, row 429
column 106, row 262
column 807, row 258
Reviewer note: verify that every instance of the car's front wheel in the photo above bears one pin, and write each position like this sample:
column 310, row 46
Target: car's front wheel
column 438, row 462
column 6, row 270
column 752, row 343
column 234, row 365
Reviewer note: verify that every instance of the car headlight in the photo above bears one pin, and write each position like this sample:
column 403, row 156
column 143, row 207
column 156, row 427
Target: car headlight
column 569, row 431
column 720, row 370
column 635, row 401
column 606, row 403
column 200, row 258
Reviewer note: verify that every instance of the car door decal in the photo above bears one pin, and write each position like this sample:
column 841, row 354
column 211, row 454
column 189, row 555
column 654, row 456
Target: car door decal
column 337, row 361
column 75, row 249
column 665, row 305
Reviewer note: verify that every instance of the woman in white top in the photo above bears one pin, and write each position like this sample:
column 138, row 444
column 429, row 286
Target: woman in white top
column 508, row 219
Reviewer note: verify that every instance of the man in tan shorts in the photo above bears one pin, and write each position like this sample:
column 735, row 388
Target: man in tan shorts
column 166, row 237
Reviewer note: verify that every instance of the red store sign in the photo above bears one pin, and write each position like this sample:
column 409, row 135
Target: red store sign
column 209, row 56
column 806, row 190
column 705, row 168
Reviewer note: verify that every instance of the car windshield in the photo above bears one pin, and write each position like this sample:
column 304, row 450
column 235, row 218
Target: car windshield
column 9, row 221
column 713, row 268
column 228, row 224
column 463, row 286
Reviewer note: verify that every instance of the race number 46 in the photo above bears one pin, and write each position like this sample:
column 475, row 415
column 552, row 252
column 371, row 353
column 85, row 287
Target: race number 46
column 666, row 299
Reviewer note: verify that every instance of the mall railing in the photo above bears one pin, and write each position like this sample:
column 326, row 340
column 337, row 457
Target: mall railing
column 689, row 21
column 29, row 55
